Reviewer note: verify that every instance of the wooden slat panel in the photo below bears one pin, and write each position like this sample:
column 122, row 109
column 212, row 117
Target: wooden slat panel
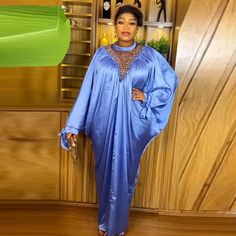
column 195, row 37
column 206, row 156
column 205, row 89
column 63, row 164
column 169, row 184
column 233, row 208
column 148, row 187
column 88, row 185
column 223, row 188
column 203, row 158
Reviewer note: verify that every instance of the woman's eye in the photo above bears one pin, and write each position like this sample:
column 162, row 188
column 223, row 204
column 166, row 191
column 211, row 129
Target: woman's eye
column 120, row 22
column 133, row 23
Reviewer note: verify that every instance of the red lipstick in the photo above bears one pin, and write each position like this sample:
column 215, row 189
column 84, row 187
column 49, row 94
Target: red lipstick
column 125, row 33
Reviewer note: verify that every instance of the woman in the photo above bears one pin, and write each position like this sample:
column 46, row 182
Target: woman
column 124, row 102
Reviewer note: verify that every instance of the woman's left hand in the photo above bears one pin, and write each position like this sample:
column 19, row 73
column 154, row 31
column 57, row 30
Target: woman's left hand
column 138, row 95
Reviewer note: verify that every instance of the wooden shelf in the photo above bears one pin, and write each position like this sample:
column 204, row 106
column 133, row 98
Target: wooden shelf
column 158, row 24
column 145, row 23
column 86, row 3
column 105, row 21
column 81, row 28
column 76, row 14
column 81, row 41
column 70, row 89
column 74, row 66
column 72, row 78
column 79, row 54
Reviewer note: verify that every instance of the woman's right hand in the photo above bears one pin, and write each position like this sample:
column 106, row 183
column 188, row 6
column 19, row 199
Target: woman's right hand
column 71, row 137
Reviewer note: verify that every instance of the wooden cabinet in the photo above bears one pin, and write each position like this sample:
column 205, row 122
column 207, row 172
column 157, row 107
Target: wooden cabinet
column 29, row 153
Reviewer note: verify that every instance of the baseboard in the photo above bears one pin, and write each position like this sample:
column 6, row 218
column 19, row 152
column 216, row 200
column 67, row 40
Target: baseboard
column 20, row 203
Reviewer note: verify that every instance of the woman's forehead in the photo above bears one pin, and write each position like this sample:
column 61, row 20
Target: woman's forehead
column 127, row 16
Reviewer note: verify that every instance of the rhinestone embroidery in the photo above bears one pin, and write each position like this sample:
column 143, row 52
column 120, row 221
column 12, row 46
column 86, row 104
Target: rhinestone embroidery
column 124, row 58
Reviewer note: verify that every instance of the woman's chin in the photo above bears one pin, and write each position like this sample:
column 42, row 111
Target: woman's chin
column 126, row 39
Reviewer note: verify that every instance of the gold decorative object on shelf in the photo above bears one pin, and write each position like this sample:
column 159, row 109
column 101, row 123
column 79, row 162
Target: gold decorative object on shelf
column 104, row 41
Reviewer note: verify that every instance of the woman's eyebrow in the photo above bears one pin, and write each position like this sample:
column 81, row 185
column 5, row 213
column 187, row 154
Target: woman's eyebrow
column 129, row 19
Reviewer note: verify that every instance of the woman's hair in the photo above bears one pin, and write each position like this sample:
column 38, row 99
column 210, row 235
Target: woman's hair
column 130, row 9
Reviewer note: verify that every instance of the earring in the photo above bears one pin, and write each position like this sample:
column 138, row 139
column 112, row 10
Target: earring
column 115, row 38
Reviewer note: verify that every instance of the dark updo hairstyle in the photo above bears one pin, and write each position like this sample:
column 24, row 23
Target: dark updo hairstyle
column 130, row 9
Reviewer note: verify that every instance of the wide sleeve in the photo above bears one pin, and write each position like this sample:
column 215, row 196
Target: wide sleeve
column 160, row 91
column 77, row 117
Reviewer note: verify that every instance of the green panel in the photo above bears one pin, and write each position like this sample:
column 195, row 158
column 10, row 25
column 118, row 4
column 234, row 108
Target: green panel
column 33, row 36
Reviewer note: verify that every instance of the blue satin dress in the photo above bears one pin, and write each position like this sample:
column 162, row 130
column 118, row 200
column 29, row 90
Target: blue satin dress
column 119, row 127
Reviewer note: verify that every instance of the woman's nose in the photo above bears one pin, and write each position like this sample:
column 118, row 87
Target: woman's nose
column 126, row 26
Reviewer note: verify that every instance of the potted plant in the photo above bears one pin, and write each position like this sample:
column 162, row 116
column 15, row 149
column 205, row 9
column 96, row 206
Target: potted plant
column 162, row 45
column 140, row 40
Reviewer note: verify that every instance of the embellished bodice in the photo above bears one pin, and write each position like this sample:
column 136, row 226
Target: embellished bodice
column 124, row 56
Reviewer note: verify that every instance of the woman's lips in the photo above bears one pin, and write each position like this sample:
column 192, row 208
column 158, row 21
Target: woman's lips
column 125, row 33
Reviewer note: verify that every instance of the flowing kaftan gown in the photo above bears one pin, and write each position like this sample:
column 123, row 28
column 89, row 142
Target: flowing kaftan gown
column 119, row 127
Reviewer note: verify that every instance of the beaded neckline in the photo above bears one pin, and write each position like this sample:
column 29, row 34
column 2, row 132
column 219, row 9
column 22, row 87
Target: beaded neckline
column 132, row 55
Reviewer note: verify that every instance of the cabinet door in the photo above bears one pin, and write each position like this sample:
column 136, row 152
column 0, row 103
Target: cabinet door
column 29, row 163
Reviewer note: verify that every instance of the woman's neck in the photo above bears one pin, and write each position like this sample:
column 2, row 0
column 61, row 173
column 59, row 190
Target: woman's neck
column 125, row 44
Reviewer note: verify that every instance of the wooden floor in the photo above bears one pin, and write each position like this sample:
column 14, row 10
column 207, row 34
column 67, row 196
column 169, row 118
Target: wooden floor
column 82, row 221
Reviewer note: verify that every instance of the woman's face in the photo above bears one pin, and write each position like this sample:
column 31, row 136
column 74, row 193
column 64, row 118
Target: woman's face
column 126, row 27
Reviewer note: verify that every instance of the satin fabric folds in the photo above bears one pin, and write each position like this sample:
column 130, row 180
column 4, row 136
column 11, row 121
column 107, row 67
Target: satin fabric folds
column 120, row 128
